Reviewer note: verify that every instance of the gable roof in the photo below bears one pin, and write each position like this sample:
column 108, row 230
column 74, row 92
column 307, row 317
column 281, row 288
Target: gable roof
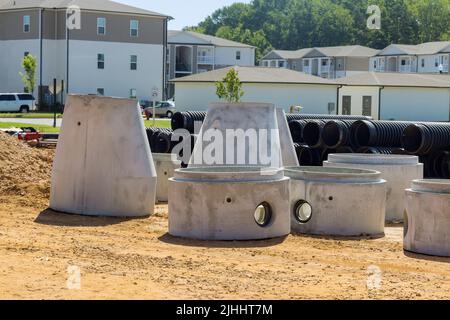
column 286, row 54
column 94, row 5
column 427, row 48
column 258, row 75
column 343, row 51
column 190, row 37
column 397, row 80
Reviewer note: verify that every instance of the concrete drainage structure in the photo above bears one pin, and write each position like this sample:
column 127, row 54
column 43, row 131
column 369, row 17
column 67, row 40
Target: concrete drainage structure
column 337, row 201
column 427, row 218
column 103, row 164
column 165, row 164
column 398, row 170
column 256, row 118
column 229, row 203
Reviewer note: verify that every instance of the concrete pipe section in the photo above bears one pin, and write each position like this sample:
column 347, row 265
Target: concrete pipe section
column 103, row 165
column 427, row 218
column 229, row 203
column 337, row 201
column 398, row 170
column 165, row 164
column 244, row 134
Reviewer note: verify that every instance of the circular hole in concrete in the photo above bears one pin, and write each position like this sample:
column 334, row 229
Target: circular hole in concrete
column 331, row 198
column 165, row 173
column 79, row 123
column 263, row 214
column 229, row 200
column 303, row 212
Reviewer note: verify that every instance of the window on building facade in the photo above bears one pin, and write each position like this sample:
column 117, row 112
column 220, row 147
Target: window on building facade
column 346, row 105
column 26, row 24
column 101, row 61
column 101, row 26
column 133, row 65
column 423, row 63
column 367, row 106
column 26, row 54
column 100, row 91
column 306, row 63
column 133, row 93
column 238, row 55
column 331, row 108
column 134, row 28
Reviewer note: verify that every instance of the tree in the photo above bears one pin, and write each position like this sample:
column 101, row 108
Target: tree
column 29, row 64
column 230, row 88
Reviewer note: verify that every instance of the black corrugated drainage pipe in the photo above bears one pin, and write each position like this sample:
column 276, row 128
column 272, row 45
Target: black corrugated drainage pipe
column 186, row 120
column 308, row 156
column 377, row 133
column 312, row 133
column 425, row 138
column 336, row 133
column 296, row 127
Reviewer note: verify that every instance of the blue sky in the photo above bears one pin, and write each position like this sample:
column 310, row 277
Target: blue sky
column 185, row 12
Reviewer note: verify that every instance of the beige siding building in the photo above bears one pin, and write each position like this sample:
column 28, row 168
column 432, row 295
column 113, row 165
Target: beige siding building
column 111, row 49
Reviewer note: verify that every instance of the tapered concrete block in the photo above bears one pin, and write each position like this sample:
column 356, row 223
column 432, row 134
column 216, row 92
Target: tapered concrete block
column 165, row 164
column 337, row 201
column 427, row 218
column 398, row 170
column 251, row 134
column 229, row 203
column 103, row 165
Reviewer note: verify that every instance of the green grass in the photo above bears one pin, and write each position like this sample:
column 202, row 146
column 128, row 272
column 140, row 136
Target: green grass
column 49, row 129
column 31, row 115
column 159, row 123
column 41, row 128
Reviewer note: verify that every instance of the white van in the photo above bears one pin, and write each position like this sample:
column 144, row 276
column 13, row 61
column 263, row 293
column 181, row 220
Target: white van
column 17, row 102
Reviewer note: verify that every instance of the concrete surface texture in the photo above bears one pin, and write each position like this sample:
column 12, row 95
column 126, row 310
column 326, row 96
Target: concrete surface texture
column 288, row 153
column 258, row 133
column 165, row 165
column 229, row 203
column 398, row 170
column 427, row 218
column 103, row 164
column 335, row 201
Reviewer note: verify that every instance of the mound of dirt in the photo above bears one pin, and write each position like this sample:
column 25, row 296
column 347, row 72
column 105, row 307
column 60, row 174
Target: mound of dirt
column 24, row 171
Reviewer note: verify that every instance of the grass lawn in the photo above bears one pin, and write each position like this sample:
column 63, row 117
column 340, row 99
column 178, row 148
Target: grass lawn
column 31, row 115
column 41, row 128
column 49, row 129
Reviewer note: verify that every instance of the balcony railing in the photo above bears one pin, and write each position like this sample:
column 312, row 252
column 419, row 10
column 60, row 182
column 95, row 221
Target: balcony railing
column 205, row 60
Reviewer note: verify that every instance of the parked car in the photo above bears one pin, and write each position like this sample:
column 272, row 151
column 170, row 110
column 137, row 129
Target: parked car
column 163, row 109
column 17, row 102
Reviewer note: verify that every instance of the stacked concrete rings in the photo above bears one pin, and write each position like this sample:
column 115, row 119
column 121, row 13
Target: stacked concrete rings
column 398, row 170
column 337, row 201
column 229, row 203
column 427, row 218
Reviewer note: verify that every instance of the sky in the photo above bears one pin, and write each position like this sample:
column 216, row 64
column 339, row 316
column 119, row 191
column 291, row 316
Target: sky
column 185, row 12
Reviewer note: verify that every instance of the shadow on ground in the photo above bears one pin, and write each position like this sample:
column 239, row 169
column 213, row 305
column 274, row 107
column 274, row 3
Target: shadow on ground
column 59, row 219
column 424, row 257
column 339, row 238
column 167, row 238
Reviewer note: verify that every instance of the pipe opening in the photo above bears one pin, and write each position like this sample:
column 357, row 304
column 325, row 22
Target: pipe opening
column 263, row 214
column 303, row 212
column 362, row 135
column 331, row 135
column 177, row 121
column 412, row 138
column 312, row 134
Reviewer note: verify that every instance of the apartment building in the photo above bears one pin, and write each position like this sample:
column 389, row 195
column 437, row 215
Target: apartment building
column 191, row 53
column 325, row 62
column 423, row 58
column 108, row 48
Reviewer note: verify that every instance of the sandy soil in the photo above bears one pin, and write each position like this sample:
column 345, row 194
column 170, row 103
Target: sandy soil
column 136, row 259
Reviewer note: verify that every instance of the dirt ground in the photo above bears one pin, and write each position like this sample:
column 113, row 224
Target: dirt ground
column 137, row 259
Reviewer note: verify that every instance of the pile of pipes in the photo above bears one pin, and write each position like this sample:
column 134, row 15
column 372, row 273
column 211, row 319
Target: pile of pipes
column 315, row 139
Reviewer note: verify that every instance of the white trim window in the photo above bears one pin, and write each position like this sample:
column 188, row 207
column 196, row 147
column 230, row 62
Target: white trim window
column 100, row 91
column 133, row 93
column 134, row 28
column 26, row 24
column 101, row 26
column 238, row 55
column 100, row 61
column 133, row 62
